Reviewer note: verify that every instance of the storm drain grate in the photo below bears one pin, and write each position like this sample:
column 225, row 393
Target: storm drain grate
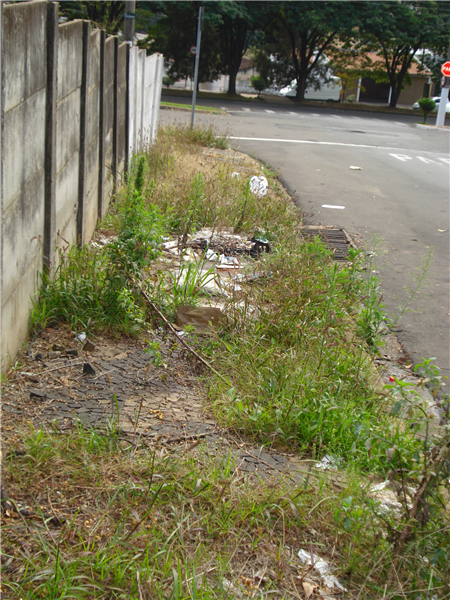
column 337, row 240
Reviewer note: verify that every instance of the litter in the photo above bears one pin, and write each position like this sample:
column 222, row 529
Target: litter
column 235, row 174
column 81, row 337
column 210, row 255
column 322, row 567
column 252, row 276
column 328, row 462
column 259, row 186
column 228, row 260
column 354, row 168
column 199, row 317
column 386, row 497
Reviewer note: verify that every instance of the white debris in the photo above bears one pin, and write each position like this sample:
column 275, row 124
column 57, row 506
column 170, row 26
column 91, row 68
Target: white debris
column 354, row 168
column 235, row 174
column 322, row 567
column 329, row 462
column 259, row 186
column 81, row 337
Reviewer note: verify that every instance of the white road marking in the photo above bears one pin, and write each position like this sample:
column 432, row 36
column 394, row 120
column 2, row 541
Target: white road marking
column 333, row 206
column 269, row 111
column 428, row 160
column 314, row 115
column 337, row 116
column 402, row 157
column 246, row 110
column 293, row 113
column 359, row 118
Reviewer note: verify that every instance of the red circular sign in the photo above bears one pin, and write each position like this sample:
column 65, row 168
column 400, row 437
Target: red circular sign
column 193, row 50
column 445, row 69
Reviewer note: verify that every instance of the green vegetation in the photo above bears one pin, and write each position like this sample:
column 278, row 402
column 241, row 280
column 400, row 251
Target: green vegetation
column 297, row 348
column 426, row 106
column 177, row 105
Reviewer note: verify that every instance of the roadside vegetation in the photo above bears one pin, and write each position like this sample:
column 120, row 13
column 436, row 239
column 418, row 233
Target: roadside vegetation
column 295, row 362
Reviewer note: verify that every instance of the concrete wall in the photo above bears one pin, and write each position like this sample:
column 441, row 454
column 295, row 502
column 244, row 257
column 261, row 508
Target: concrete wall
column 145, row 83
column 23, row 158
column 69, row 104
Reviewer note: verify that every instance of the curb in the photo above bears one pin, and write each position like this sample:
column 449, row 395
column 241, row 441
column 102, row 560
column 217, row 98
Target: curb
column 431, row 127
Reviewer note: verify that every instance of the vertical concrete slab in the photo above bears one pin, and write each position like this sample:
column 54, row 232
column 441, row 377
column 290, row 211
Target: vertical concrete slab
column 1, row 177
column 157, row 98
column 101, row 130
column 109, row 118
column 68, row 129
column 49, row 241
column 23, row 85
column 115, row 115
column 127, row 113
column 83, row 132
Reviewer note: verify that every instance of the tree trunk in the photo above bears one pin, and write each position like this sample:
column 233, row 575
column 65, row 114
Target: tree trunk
column 301, row 88
column 395, row 95
column 232, row 82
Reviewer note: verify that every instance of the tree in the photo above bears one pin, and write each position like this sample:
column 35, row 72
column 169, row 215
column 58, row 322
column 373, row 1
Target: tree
column 258, row 83
column 426, row 106
column 174, row 32
column 228, row 28
column 107, row 14
column 302, row 33
column 396, row 31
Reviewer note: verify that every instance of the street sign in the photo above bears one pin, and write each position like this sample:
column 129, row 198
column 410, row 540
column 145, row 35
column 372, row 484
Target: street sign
column 445, row 69
column 193, row 50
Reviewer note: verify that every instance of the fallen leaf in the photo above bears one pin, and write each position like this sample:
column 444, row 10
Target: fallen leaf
column 308, row 588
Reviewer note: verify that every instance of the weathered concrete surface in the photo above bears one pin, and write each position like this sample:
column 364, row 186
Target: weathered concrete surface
column 62, row 151
column 23, row 89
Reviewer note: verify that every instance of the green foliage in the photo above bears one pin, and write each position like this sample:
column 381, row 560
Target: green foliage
column 397, row 31
column 107, row 15
column 426, row 106
column 259, row 83
column 91, row 288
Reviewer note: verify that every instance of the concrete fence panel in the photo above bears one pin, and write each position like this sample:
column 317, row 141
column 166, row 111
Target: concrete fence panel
column 68, row 123
column 23, row 83
column 75, row 105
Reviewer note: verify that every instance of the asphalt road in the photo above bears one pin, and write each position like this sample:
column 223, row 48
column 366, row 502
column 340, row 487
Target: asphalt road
column 399, row 196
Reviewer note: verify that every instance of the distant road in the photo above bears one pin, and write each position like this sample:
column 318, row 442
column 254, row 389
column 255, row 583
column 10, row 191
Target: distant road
column 401, row 194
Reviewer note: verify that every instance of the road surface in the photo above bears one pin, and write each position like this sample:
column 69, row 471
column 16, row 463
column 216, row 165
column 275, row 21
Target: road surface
column 400, row 195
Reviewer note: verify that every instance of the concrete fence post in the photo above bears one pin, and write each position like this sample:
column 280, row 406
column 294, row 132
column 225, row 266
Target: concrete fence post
column 115, row 132
column 101, row 129
column 49, row 235
column 83, row 133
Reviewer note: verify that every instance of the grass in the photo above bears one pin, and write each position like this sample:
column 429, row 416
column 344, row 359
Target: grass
column 297, row 347
column 210, row 109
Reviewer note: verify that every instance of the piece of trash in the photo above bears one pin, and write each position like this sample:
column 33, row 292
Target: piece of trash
column 228, row 260
column 211, row 255
column 442, row 230
column 260, row 245
column 329, row 462
column 88, row 369
column 322, row 567
column 354, row 168
column 89, row 346
column 259, row 186
column 170, row 245
column 252, row 276
column 235, row 174
column 199, row 317
column 81, row 337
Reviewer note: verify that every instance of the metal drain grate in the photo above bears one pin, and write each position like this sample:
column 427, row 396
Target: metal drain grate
column 337, row 240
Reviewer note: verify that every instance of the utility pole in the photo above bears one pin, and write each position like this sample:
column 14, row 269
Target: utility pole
column 197, row 60
column 440, row 119
column 129, row 17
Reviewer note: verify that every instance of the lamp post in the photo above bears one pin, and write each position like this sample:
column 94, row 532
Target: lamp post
column 197, row 60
